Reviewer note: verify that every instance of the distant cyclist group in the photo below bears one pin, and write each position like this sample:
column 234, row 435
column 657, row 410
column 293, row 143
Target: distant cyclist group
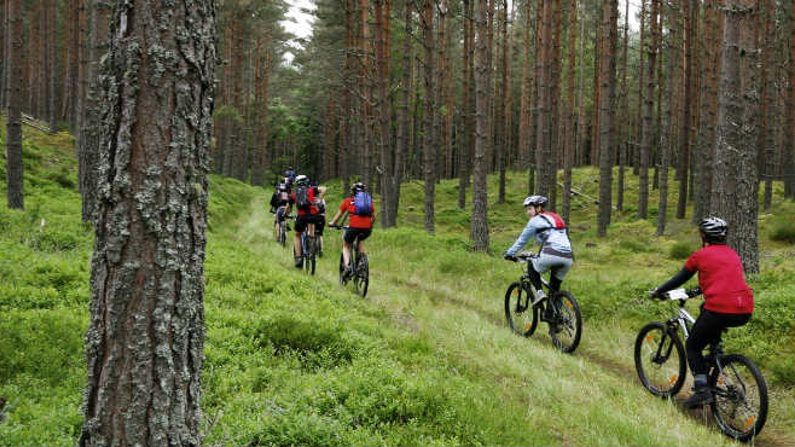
column 308, row 199
column 728, row 300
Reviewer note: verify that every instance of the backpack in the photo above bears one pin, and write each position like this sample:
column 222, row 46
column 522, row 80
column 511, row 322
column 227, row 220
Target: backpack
column 302, row 200
column 362, row 203
column 554, row 220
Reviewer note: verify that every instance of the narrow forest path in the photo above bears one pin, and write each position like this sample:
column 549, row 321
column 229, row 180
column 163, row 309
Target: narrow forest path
column 468, row 329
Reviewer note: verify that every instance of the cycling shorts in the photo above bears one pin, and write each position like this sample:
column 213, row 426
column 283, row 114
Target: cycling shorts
column 302, row 221
column 320, row 224
column 351, row 234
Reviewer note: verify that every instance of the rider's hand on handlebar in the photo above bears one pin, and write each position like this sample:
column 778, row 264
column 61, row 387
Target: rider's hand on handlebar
column 508, row 257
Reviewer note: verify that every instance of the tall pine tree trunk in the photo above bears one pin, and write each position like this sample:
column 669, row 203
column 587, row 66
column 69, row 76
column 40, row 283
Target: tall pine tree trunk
column 571, row 112
column 144, row 345
column 735, row 186
column 467, row 131
column 606, row 115
column 428, row 148
column 480, row 226
column 647, row 134
column 14, row 166
column 389, row 182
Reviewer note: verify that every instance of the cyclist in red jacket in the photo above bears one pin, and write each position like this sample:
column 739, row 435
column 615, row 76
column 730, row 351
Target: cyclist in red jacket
column 305, row 198
column 728, row 301
column 361, row 220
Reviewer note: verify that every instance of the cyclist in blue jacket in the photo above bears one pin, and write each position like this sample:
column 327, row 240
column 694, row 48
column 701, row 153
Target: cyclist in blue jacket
column 555, row 254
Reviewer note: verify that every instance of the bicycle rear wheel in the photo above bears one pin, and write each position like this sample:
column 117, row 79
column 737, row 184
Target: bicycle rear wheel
column 309, row 256
column 361, row 279
column 521, row 317
column 660, row 360
column 343, row 281
column 282, row 239
column 566, row 328
column 740, row 406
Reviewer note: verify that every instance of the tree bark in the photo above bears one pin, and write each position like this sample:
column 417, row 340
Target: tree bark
column 571, row 121
column 14, row 166
column 648, row 102
column 623, row 133
column 684, row 136
column 606, row 114
column 389, row 182
column 467, row 112
column 666, row 134
column 144, row 345
column 428, row 149
column 789, row 179
column 735, row 186
column 480, row 227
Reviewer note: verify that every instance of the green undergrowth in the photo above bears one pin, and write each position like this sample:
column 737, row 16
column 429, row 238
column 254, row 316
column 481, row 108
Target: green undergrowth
column 425, row 359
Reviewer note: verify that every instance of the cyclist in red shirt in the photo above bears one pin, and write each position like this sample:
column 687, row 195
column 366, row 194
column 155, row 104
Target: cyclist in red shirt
column 728, row 301
column 307, row 213
column 360, row 223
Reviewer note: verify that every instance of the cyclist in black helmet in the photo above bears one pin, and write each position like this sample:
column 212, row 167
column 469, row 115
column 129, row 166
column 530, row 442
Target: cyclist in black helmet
column 728, row 301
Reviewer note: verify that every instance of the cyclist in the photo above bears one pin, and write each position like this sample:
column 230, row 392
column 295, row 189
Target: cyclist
column 728, row 301
column 360, row 222
column 305, row 198
column 280, row 201
column 555, row 254
column 321, row 224
column 289, row 175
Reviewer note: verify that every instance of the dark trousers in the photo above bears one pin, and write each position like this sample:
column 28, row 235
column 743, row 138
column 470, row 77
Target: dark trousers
column 707, row 329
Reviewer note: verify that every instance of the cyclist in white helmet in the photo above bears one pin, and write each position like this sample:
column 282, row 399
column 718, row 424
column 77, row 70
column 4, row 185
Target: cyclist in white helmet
column 555, row 254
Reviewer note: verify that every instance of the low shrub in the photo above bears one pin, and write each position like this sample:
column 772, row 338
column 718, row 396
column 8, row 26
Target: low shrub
column 680, row 250
column 783, row 231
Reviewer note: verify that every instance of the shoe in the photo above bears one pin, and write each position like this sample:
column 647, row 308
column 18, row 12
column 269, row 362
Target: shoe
column 299, row 263
column 701, row 397
column 540, row 295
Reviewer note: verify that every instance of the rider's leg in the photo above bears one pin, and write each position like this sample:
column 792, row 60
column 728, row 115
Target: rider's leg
column 706, row 330
column 300, row 226
column 346, row 253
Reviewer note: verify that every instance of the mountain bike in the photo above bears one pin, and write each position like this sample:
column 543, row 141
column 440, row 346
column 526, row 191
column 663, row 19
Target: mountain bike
column 309, row 248
column 565, row 324
column 739, row 389
column 282, row 228
column 361, row 267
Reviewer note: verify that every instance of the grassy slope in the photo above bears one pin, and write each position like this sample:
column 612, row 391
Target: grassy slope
column 425, row 359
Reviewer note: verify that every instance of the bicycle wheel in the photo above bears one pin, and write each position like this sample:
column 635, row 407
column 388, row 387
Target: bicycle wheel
column 343, row 281
column 282, row 239
column 522, row 319
column 566, row 327
column 660, row 360
column 361, row 279
column 310, row 255
column 740, row 406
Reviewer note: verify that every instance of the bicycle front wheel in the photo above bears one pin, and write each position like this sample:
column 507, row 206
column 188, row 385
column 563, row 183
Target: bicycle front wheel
column 740, row 406
column 361, row 280
column 566, row 328
column 521, row 316
column 660, row 360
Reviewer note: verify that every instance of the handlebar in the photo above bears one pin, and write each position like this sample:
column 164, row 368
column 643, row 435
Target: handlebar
column 522, row 257
column 339, row 227
column 681, row 294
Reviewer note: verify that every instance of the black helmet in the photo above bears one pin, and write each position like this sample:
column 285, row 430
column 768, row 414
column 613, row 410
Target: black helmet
column 357, row 187
column 714, row 228
column 535, row 201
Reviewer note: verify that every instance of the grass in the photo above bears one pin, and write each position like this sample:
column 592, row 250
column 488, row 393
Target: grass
column 426, row 359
